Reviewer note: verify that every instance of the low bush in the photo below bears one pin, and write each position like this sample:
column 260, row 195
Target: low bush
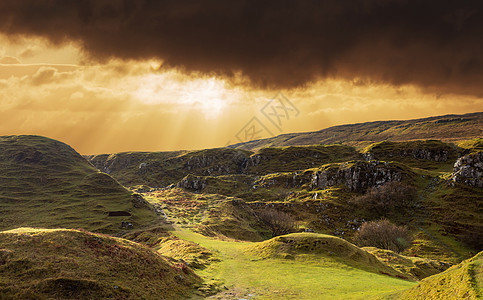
column 277, row 221
column 384, row 235
column 392, row 196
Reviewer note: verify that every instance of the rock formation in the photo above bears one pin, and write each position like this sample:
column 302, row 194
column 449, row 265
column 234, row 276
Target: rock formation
column 469, row 170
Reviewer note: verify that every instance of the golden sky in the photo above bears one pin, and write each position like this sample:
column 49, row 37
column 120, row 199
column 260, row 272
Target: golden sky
column 134, row 105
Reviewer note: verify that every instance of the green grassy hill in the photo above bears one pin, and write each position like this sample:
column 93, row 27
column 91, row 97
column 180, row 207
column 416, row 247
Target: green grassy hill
column 45, row 183
column 242, row 274
column 73, row 264
column 447, row 128
column 413, row 267
column 211, row 204
column 292, row 158
column 463, row 281
column 317, row 185
column 313, row 246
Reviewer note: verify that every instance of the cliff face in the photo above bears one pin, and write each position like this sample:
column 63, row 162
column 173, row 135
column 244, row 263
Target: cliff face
column 469, row 170
column 160, row 169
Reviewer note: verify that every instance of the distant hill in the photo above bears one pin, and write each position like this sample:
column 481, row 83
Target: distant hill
column 445, row 128
column 46, row 183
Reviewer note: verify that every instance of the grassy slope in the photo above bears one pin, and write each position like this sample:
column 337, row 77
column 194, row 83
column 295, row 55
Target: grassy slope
column 416, row 268
column 157, row 169
column 246, row 275
column 448, row 128
column 293, row 158
column 72, row 264
column 443, row 155
column 441, row 215
column 463, row 281
column 45, row 183
column 209, row 214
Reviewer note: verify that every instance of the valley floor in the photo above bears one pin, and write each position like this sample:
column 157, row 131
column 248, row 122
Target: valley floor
column 248, row 277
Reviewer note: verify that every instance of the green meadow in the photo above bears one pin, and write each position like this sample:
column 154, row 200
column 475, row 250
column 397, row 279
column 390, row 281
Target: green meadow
column 245, row 275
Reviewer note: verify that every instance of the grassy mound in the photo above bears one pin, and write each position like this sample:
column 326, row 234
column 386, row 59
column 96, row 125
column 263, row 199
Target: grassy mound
column 45, row 183
column 234, row 219
column 167, row 244
column 416, row 268
column 463, row 281
column 320, row 246
column 73, row 264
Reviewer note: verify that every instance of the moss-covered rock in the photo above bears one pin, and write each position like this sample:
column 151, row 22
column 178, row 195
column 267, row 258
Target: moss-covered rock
column 469, row 170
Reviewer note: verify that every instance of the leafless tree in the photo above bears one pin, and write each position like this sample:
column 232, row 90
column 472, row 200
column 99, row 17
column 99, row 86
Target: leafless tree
column 277, row 221
column 383, row 234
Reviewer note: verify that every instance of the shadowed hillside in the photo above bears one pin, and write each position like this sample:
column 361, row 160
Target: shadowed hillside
column 46, row 183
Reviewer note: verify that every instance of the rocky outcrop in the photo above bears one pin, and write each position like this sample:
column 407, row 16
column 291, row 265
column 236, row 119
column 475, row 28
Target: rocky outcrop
column 295, row 158
column 357, row 176
column 469, row 170
column 192, row 183
column 427, row 154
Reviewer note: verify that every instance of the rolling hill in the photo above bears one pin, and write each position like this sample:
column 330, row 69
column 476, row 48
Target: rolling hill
column 74, row 264
column 45, row 183
column 445, row 128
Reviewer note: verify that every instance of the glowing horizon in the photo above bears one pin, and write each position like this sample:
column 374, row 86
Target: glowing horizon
column 128, row 105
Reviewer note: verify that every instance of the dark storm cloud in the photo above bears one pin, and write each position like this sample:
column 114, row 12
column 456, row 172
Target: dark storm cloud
column 435, row 44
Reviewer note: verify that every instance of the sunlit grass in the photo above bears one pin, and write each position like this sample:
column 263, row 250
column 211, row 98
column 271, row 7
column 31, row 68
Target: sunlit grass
column 245, row 274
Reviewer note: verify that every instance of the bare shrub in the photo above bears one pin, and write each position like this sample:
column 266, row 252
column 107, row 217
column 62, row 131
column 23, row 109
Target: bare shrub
column 383, row 234
column 387, row 198
column 277, row 221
